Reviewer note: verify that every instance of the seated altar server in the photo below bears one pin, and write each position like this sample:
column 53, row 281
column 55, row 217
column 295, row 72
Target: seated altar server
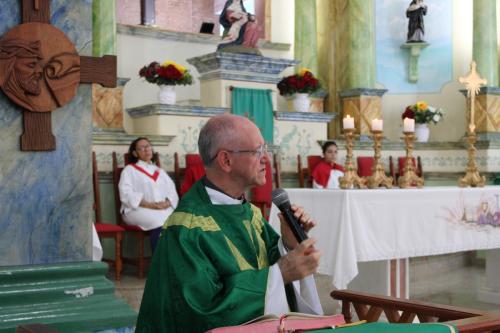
column 147, row 193
column 326, row 174
column 218, row 262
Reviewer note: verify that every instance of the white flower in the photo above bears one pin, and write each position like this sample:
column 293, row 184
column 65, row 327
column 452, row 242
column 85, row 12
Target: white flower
column 432, row 109
column 436, row 118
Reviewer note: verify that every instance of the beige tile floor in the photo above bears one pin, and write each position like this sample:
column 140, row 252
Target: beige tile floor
column 456, row 287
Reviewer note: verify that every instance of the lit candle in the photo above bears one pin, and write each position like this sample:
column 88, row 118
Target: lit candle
column 377, row 124
column 348, row 122
column 408, row 125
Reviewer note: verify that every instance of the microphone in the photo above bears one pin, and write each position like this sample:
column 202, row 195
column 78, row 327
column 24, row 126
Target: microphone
column 280, row 199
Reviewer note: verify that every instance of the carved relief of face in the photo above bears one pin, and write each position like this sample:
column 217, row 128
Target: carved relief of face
column 28, row 72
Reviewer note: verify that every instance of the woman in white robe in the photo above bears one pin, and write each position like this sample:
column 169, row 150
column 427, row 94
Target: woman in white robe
column 147, row 193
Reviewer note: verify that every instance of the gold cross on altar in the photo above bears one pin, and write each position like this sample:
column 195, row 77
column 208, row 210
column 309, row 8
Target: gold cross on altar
column 473, row 83
column 40, row 71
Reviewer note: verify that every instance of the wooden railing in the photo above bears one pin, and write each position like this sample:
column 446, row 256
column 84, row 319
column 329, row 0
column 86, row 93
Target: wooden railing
column 370, row 307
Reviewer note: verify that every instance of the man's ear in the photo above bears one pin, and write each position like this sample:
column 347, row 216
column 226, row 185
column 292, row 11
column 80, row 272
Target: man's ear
column 134, row 153
column 224, row 161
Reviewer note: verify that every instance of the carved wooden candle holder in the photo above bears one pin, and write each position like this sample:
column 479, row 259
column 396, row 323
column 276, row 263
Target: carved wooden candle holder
column 378, row 177
column 409, row 177
column 351, row 178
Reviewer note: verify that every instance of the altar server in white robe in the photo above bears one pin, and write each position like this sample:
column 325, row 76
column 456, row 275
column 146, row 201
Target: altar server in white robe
column 147, row 193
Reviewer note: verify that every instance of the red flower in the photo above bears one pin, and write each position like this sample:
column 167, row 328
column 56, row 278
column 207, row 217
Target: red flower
column 409, row 113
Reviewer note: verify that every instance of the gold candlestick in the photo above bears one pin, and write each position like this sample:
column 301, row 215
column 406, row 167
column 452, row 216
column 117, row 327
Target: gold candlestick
column 378, row 177
column 409, row 178
column 350, row 178
column 472, row 177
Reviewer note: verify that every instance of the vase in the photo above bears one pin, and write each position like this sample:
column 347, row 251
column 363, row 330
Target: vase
column 301, row 102
column 422, row 132
column 167, row 94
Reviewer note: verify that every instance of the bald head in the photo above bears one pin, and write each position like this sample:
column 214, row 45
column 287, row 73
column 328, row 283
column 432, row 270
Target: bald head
column 222, row 131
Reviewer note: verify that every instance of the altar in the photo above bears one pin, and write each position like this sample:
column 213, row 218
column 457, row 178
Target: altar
column 373, row 232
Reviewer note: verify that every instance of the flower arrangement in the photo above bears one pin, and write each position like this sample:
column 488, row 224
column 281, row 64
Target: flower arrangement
column 423, row 113
column 168, row 73
column 303, row 82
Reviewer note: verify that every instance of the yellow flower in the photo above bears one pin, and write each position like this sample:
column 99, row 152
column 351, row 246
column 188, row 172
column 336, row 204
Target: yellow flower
column 303, row 71
column 421, row 106
column 180, row 68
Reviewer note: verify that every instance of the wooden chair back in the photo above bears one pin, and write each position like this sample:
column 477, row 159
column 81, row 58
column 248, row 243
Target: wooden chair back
column 305, row 174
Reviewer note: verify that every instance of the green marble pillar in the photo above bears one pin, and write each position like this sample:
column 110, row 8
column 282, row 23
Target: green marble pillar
column 305, row 35
column 361, row 45
column 104, row 27
column 484, row 50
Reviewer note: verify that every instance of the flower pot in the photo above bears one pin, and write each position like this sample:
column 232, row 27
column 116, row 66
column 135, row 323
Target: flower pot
column 422, row 132
column 301, row 102
column 167, row 94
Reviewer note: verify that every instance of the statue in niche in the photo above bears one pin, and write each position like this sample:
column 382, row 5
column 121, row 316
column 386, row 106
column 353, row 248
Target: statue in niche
column 415, row 14
column 241, row 31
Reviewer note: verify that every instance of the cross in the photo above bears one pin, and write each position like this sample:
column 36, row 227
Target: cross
column 40, row 71
column 473, row 84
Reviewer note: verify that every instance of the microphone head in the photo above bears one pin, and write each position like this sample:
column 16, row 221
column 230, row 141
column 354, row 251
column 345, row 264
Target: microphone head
column 279, row 197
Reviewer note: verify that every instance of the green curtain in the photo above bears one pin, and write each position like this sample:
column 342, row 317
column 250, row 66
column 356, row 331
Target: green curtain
column 257, row 105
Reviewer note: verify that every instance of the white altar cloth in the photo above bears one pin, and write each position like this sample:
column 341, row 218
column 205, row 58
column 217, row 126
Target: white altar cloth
column 367, row 225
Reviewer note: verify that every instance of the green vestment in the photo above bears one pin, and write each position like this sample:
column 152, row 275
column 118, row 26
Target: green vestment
column 210, row 267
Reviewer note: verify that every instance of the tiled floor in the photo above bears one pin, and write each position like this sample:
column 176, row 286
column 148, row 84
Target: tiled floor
column 457, row 287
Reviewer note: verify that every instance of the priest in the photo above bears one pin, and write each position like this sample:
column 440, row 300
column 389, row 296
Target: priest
column 218, row 262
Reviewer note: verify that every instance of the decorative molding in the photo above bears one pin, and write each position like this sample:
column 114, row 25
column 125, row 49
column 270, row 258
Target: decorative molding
column 112, row 137
column 415, row 49
column 174, row 110
column 393, row 145
column 305, row 116
column 188, row 37
column 240, row 67
column 356, row 92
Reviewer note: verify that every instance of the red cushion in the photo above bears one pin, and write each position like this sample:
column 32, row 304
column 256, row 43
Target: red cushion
column 193, row 173
column 104, row 227
column 193, row 159
column 365, row 164
column 402, row 163
column 262, row 194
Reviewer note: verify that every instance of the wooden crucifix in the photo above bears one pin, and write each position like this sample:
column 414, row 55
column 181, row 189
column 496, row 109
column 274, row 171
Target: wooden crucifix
column 40, row 70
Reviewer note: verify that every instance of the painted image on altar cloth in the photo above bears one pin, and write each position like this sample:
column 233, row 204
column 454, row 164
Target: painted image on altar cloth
column 482, row 213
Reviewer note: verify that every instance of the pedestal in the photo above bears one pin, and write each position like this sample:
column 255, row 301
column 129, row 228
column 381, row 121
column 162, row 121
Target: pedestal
column 220, row 71
column 487, row 115
column 415, row 49
column 363, row 105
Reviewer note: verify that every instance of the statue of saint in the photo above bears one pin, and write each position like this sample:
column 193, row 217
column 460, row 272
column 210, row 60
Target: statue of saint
column 240, row 27
column 415, row 14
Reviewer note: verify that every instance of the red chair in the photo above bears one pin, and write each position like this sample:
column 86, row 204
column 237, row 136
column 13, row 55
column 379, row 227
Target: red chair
column 365, row 164
column 185, row 177
column 140, row 261
column 261, row 195
column 305, row 174
column 106, row 230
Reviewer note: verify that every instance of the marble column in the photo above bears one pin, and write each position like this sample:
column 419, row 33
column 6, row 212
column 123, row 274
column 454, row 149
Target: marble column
column 103, row 27
column 359, row 97
column 305, row 46
column 484, row 50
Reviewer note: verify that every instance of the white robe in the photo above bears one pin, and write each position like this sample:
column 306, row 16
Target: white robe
column 333, row 181
column 135, row 186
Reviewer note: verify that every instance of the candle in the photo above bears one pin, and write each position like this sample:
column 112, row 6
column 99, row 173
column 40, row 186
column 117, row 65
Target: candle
column 408, row 125
column 348, row 122
column 377, row 124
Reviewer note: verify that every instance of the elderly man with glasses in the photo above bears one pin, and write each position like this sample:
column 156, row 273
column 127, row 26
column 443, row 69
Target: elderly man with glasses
column 219, row 263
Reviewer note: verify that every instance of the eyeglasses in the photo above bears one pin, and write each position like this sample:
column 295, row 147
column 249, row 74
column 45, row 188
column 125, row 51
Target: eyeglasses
column 143, row 148
column 259, row 151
